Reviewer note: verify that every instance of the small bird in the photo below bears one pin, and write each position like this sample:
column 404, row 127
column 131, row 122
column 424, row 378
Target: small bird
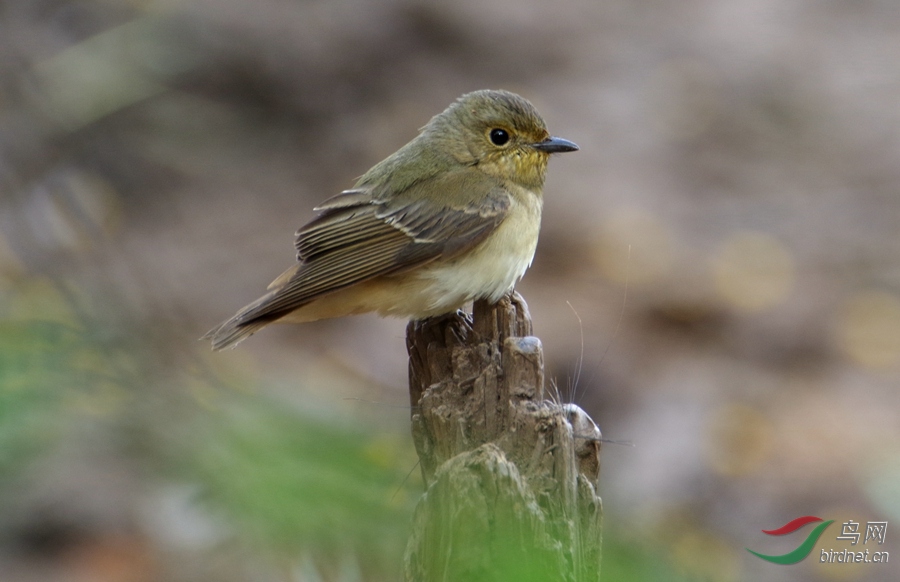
column 451, row 217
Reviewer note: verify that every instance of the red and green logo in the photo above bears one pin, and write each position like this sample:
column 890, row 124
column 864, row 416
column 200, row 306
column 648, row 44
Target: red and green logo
column 803, row 549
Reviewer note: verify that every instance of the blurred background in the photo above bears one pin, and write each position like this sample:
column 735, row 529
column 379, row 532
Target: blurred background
column 717, row 281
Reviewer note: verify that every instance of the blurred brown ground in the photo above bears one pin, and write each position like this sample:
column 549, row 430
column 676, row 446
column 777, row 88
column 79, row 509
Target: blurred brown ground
column 718, row 276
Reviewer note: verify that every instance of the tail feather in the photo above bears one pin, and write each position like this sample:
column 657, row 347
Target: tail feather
column 243, row 324
column 232, row 332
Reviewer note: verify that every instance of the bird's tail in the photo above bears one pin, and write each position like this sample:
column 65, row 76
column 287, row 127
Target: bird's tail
column 245, row 323
column 251, row 318
column 232, row 332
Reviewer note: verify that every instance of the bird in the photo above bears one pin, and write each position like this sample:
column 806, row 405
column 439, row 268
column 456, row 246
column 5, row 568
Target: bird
column 451, row 217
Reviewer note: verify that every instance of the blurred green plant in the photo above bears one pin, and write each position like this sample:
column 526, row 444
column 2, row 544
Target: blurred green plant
column 293, row 480
column 41, row 359
column 31, row 363
column 297, row 484
column 635, row 562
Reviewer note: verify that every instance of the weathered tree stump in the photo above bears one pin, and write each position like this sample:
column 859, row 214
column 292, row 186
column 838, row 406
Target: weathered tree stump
column 511, row 478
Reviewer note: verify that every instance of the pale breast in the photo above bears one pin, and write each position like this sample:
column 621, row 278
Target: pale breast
column 489, row 270
column 492, row 268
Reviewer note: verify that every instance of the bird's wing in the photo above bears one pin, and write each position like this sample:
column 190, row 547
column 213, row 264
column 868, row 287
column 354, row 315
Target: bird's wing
column 359, row 236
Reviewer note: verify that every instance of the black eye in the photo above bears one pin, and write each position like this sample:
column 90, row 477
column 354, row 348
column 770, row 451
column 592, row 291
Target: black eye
column 499, row 136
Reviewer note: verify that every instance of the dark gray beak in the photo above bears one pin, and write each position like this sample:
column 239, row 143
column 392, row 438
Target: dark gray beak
column 555, row 145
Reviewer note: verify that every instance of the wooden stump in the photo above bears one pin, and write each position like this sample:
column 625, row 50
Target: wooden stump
column 511, row 478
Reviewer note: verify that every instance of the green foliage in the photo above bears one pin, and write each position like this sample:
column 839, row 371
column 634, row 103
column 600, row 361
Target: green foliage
column 298, row 485
column 302, row 484
column 56, row 368
column 33, row 363
column 635, row 562
column 295, row 480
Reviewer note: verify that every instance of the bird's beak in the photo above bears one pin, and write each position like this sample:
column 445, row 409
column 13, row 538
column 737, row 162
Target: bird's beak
column 555, row 145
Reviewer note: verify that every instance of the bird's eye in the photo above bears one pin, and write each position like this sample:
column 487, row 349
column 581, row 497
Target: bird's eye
column 499, row 136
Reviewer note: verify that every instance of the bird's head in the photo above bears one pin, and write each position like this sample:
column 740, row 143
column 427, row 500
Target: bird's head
column 500, row 133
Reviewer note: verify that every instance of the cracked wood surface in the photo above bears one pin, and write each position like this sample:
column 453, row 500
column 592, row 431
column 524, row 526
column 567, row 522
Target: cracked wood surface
column 511, row 478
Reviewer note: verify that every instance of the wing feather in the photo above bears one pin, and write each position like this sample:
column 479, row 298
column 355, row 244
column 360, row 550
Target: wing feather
column 359, row 236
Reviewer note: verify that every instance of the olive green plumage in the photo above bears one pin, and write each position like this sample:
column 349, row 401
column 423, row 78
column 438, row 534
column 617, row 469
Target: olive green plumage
column 451, row 216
